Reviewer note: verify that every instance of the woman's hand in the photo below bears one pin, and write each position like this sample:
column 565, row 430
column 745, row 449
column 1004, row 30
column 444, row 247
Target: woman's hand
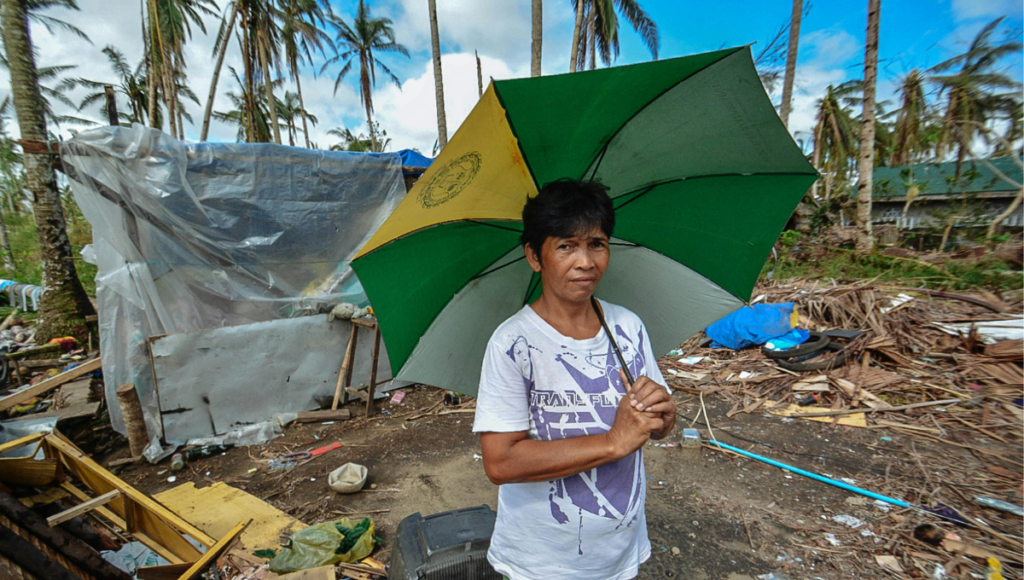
column 632, row 428
column 649, row 397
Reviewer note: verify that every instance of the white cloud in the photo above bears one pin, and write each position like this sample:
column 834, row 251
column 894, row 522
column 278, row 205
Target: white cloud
column 833, row 45
column 410, row 115
column 971, row 9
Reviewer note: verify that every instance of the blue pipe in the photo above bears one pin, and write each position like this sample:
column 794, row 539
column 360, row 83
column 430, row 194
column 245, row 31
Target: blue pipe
column 820, row 478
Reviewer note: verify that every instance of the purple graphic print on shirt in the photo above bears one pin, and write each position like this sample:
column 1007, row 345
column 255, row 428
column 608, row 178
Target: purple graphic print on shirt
column 587, row 406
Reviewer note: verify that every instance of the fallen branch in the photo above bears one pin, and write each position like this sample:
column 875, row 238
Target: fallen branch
column 876, row 409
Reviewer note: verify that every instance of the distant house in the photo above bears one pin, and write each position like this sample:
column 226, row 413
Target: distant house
column 975, row 199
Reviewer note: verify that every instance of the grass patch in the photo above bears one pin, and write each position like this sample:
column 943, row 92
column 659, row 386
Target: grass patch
column 840, row 264
column 21, row 229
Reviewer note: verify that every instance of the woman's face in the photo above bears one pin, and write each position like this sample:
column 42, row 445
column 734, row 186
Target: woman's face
column 570, row 268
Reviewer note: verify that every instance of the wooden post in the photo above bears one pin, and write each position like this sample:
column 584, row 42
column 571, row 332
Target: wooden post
column 111, row 106
column 373, row 371
column 345, row 376
column 134, row 422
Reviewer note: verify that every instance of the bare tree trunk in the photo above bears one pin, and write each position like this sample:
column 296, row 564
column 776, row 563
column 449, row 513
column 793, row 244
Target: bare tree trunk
column 225, row 41
column 151, row 71
column 591, row 38
column 302, row 107
column 435, row 48
column 816, row 157
column 250, row 97
column 479, row 75
column 993, row 228
column 64, row 305
column 787, row 81
column 5, row 247
column 575, row 48
column 369, row 123
column 172, row 115
column 269, row 89
column 866, row 159
column 537, row 13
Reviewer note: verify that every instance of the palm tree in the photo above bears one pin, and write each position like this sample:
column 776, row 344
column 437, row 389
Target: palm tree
column 911, row 117
column 970, row 99
column 358, row 43
column 250, row 111
column 834, row 135
column 358, row 143
column 537, row 36
column 290, row 108
column 866, row 153
column 168, row 27
column 220, row 47
column 435, row 49
column 602, row 32
column 64, row 305
column 301, row 34
column 787, row 81
column 264, row 38
column 131, row 83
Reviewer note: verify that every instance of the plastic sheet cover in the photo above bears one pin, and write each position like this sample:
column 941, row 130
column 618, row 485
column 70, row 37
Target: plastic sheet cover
column 189, row 236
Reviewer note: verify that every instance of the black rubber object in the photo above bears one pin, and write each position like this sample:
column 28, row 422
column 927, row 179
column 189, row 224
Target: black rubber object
column 816, row 342
column 823, row 365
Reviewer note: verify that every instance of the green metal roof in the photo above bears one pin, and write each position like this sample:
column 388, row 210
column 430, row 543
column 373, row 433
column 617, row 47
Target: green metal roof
column 937, row 178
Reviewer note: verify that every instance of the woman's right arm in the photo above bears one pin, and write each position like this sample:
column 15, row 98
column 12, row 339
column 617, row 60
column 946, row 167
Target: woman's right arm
column 513, row 458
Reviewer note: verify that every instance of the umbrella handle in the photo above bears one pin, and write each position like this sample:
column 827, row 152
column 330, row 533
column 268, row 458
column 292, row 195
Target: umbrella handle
column 615, row 346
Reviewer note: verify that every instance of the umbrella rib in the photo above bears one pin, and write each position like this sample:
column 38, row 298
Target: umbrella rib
column 495, row 269
column 490, row 225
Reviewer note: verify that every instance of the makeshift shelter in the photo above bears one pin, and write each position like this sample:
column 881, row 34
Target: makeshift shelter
column 198, row 236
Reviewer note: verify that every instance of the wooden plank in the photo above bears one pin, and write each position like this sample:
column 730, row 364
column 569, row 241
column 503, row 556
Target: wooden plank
column 49, row 384
column 326, row 415
column 211, row 555
column 345, row 374
column 65, row 414
column 373, row 371
column 165, row 572
column 321, row 573
column 81, row 508
column 12, row 445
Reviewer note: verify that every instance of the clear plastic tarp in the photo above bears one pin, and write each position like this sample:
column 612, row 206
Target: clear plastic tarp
column 190, row 236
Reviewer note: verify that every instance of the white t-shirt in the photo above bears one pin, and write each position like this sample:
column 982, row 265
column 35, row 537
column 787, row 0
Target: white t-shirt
column 586, row 526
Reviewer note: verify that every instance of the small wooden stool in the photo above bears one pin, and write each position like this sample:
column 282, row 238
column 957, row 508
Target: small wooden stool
column 344, row 387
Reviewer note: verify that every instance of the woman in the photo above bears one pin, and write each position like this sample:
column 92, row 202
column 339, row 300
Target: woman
column 561, row 428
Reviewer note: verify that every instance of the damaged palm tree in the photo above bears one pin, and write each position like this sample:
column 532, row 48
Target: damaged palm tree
column 64, row 305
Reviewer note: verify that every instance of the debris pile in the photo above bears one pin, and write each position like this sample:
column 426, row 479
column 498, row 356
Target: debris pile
column 942, row 373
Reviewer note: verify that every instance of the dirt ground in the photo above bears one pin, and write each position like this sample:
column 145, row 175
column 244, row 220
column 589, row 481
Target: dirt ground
column 711, row 515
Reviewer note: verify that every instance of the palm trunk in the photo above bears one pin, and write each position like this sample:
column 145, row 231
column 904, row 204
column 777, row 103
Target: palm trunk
column 5, row 247
column 575, row 48
column 64, row 305
column 435, row 47
column 866, row 159
column 302, row 107
column 172, row 118
column 250, row 97
column 369, row 123
column 479, row 76
column 787, row 81
column 226, row 40
column 816, row 158
column 269, row 89
column 537, row 31
column 151, row 71
column 592, row 38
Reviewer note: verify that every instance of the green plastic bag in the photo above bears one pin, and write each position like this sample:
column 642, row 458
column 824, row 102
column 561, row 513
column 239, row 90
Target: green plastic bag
column 318, row 545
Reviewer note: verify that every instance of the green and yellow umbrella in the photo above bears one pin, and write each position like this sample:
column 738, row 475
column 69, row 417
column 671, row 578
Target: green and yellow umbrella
column 702, row 172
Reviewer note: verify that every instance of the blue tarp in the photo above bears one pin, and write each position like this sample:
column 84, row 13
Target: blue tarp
column 751, row 325
column 412, row 158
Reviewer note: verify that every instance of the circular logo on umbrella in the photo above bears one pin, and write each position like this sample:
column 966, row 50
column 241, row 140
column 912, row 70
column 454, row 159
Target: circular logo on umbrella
column 450, row 180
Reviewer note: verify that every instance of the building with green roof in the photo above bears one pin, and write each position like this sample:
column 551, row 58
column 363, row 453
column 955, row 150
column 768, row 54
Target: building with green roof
column 974, row 200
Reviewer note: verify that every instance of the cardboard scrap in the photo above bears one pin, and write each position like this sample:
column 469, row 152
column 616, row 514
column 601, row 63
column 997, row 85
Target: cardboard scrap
column 851, row 420
column 218, row 508
column 889, row 562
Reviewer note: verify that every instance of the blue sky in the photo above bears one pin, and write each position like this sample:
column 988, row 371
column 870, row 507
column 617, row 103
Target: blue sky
column 914, row 34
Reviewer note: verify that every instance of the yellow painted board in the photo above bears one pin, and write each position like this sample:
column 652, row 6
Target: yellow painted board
column 17, row 443
column 851, row 420
column 215, row 509
column 28, row 471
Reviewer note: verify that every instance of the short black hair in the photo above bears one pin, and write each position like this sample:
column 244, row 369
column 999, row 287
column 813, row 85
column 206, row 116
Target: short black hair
column 566, row 208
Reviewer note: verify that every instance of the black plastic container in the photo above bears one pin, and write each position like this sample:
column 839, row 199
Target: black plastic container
column 450, row 545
